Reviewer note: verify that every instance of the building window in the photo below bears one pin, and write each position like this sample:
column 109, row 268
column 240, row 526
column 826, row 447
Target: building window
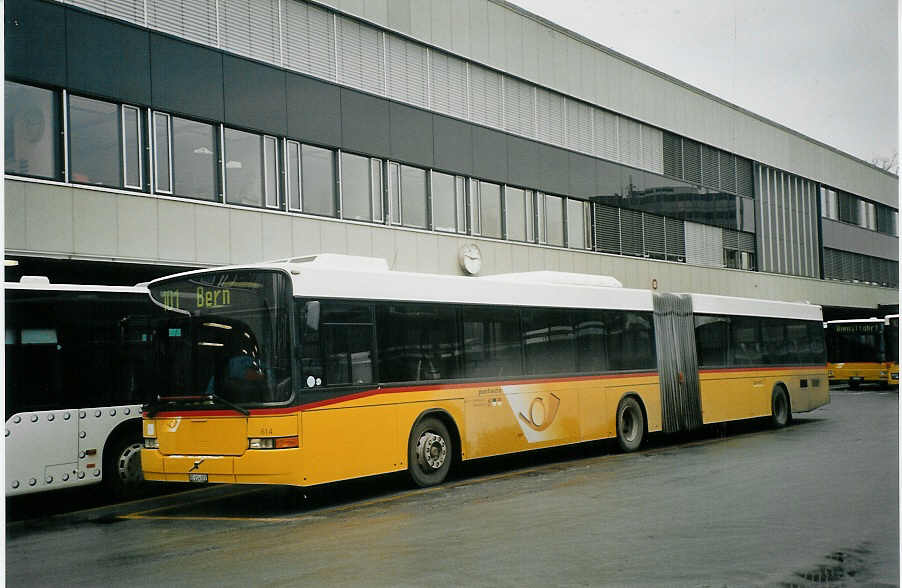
column 449, row 203
column 194, row 159
column 578, row 219
column 407, row 195
column 243, row 167
column 361, row 188
column 731, row 258
column 162, row 153
column 551, row 219
column 747, row 260
column 486, row 209
column 271, row 171
column 886, row 220
column 94, row 142
column 32, row 119
column 132, row 141
column 293, row 174
column 519, row 214
column 318, row 180
column 848, row 208
column 829, row 204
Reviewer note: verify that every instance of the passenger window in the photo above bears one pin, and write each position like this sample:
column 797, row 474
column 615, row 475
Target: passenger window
column 591, row 353
column 548, row 339
column 712, row 338
column 492, row 342
column 336, row 345
column 418, row 342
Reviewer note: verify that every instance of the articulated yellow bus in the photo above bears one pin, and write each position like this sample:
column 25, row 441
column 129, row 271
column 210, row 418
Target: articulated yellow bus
column 863, row 351
column 326, row 368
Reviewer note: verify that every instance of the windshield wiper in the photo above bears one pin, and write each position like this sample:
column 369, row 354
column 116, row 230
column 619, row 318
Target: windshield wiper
column 216, row 398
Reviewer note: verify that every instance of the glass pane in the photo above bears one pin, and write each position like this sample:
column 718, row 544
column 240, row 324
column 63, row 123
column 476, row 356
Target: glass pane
column 590, row 341
column 32, row 131
column 413, row 197
column 94, row 142
column 294, row 175
column 131, row 129
column 540, row 215
column 271, row 171
column 460, row 189
column 630, row 340
column 492, row 343
column 318, row 177
column 377, row 191
column 554, row 220
column 161, row 144
column 576, row 224
column 194, row 159
column 530, row 217
column 394, row 192
column 515, row 213
column 548, row 339
column 444, row 216
column 355, row 187
column 490, row 209
column 417, row 342
column 244, row 168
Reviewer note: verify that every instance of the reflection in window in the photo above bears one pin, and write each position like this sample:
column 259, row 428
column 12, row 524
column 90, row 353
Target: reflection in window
column 131, row 136
column 32, row 129
column 413, row 197
column 293, row 172
column 318, row 180
column 577, row 224
column 551, row 219
column 486, row 209
column 162, row 154
column 194, row 159
column 94, row 141
column 271, row 171
column 243, row 168
column 448, row 203
column 519, row 214
column 361, row 187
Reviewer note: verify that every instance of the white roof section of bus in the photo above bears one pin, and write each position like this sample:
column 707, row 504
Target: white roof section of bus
column 711, row 304
column 849, row 321
column 43, row 283
column 348, row 276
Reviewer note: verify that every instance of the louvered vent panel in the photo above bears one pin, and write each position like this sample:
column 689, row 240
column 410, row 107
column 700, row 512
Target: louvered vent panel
column 607, row 142
column 746, row 241
column 654, row 235
column 361, row 55
column 673, row 155
column 745, row 181
column 727, row 171
column 630, row 142
column 485, row 96
column 730, row 239
column 130, row 10
column 830, row 270
column 309, row 40
column 848, row 266
column 519, row 107
column 579, row 126
column 631, row 232
column 606, row 229
column 195, row 21
column 250, row 28
column 676, row 239
column 692, row 161
column 406, row 71
column 234, row 26
column 710, row 167
column 549, row 117
column 652, row 149
column 448, row 84
column 704, row 245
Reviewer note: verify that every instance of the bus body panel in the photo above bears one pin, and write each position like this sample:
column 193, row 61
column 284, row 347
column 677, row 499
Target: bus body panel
column 865, row 372
column 741, row 394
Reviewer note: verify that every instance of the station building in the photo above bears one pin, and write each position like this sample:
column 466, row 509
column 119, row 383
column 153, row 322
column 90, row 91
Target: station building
column 145, row 137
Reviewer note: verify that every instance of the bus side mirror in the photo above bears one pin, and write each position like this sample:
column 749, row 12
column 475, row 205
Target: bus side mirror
column 311, row 312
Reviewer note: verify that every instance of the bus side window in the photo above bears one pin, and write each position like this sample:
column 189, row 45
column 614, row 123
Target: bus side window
column 340, row 351
column 712, row 338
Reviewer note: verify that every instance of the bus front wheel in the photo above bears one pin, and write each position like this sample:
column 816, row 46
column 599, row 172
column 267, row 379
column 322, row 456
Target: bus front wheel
column 430, row 452
column 122, row 473
column 780, row 413
column 630, row 424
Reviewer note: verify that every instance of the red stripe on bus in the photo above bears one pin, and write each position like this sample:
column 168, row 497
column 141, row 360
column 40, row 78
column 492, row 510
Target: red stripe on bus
column 394, row 390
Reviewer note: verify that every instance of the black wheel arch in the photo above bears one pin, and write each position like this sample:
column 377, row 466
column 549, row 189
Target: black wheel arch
column 635, row 395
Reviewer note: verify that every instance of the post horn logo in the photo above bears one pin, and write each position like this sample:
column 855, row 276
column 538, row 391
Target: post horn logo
column 541, row 415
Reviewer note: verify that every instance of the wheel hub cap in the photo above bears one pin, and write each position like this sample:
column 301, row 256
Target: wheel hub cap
column 431, row 451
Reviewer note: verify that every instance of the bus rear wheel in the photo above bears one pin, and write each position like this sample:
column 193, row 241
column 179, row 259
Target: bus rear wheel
column 630, row 425
column 780, row 414
column 430, row 452
column 122, row 474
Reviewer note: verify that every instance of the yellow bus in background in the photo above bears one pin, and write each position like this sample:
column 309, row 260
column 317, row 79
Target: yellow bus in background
column 863, row 351
column 328, row 367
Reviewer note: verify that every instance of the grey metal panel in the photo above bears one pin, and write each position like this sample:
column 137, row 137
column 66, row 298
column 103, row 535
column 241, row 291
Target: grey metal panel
column 460, row 28
column 838, row 235
column 411, row 135
column 245, row 236
column 14, row 215
column 94, row 223
column 560, row 44
column 399, row 15
column 497, row 48
column 364, row 123
column 530, row 33
column 523, row 162
column 186, row 79
column 48, row 218
column 177, row 233
column 441, row 23
column 489, row 154
column 582, row 176
column 479, row 31
column 421, row 20
column 514, row 42
column 545, row 44
column 254, row 95
column 276, row 236
column 35, row 41
column 212, row 222
column 453, row 145
column 107, row 58
column 136, row 227
column 314, row 110
column 554, row 169
column 376, row 11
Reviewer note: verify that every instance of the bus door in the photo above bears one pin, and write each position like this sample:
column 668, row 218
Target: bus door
column 677, row 363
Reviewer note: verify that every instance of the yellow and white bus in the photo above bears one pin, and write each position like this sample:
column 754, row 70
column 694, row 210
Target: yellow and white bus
column 863, row 351
column 329, row 367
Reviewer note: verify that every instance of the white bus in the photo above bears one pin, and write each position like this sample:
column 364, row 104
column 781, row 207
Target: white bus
column 78, row 368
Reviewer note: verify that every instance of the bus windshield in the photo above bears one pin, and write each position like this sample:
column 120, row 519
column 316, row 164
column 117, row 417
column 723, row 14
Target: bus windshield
column 227, row 337
column 892, row 339
column 851, row 342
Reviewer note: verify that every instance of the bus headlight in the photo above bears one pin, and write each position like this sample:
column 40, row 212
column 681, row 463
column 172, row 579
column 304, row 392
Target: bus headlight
column 151, row 443
column 272, row 442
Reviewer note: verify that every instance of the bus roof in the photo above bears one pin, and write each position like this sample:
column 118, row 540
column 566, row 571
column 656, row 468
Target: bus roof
column 848, row 321
column 365, row 278
column 46, row 285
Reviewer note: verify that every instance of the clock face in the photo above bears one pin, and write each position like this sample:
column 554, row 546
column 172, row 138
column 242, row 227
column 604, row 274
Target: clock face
column 470, row 259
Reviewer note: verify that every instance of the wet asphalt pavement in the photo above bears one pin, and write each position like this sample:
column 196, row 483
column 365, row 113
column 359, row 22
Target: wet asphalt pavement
column 815, row 504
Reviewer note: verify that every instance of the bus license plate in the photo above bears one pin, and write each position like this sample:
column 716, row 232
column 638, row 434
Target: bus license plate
column 856, row 379
column 197, row 477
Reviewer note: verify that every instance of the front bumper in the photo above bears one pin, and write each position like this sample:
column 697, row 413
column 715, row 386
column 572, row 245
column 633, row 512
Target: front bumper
column 271, row 466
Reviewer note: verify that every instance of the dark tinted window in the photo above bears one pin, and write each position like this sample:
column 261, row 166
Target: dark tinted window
column 854, row 342
column 338, row 348
column 418, row 342
column 591, row 354
column 32, row 131
column 745, row 341
column 630, row 340
column 491, row 342
column 194, row 159
column 712, row 338
column 892, row 339
column 94, row 139
column 548, row 339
